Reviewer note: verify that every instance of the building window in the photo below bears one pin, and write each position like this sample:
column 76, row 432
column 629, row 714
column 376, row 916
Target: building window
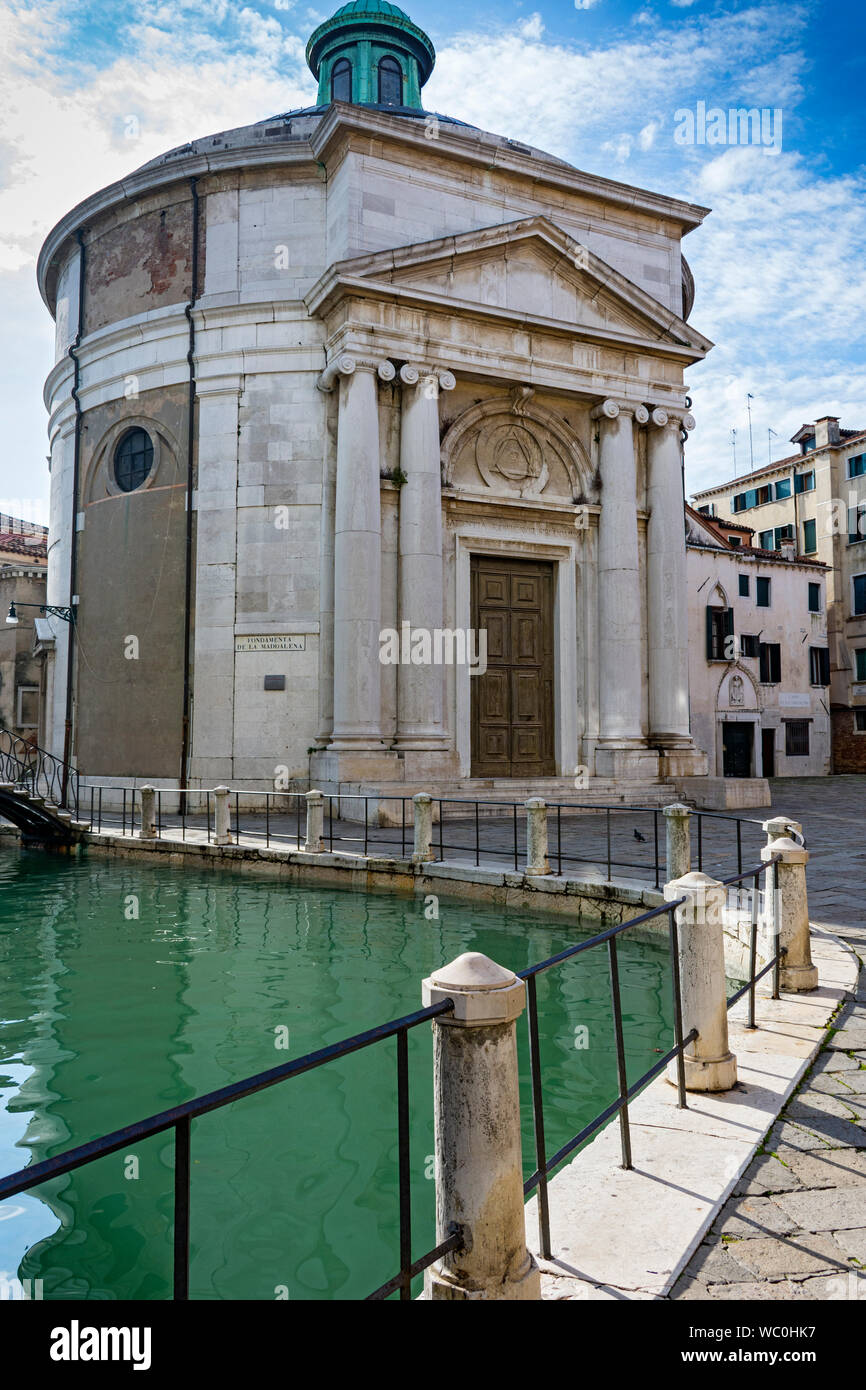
column 804, row 482
column 765, row 540
column 390, row 83
column 752, row 497
column 735, row 540
column 783, row 489
column 857, row 523
column 819, row 665
column 814, row 598
column 739, row 502
column 28, row 707
column 341, row 81
column 859, row 594
column 797, row 738
column 744, row 586
column 770, row 654
column 762, row 592
column 720, row 627
column 860, row 721
column 857, row 466
column 860, row 664
column 749, row 645
column 807, row 444
column 133, row 460
column 810, row 537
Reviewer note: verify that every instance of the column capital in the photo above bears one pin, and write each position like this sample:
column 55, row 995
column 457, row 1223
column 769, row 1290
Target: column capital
column 410, row 375
column 606, row 410
column 662, row 416
column 342, row 365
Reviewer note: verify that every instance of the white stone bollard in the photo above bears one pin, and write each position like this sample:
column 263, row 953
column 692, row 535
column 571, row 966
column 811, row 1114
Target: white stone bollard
column 781, row 826
column 797, row 973
column 678, row 841
column 479, row 1169
column 314, row 843
column 709, row 1063
column 222, row 817
column 423, row 819
column 147, row 829
column 536, row 836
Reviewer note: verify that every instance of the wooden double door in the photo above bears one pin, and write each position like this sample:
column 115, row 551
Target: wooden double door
column 512, row 703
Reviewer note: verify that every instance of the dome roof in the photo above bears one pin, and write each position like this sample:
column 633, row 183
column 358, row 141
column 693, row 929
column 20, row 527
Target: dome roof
column 368, row 7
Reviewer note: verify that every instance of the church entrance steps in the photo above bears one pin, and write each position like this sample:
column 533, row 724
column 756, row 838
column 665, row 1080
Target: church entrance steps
column 494, row 797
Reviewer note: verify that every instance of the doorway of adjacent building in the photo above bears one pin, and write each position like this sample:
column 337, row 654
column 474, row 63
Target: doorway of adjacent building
column 737, row 749
column 768, row 752
column 512, row 703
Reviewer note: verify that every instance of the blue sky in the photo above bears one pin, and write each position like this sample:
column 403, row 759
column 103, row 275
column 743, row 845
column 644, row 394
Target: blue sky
column 780, row 264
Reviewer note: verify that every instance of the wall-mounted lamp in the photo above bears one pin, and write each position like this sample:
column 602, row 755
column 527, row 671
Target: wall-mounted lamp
column 67, row 614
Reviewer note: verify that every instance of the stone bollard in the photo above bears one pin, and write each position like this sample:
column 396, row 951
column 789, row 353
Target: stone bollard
column 536, row 836
column 678, row 841
column 147, row 829
column 222, row 817
column 780, row 826
column 796, row 973
column 314, row 843
column 423, row 818
column 709, row 1063
column 479, row 1166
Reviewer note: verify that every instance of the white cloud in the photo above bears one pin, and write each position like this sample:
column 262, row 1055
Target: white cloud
column 647, row 137
column 585, row 4
column 533, row 27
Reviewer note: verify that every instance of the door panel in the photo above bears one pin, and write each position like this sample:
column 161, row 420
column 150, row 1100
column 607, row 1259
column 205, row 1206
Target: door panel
column 737, row 749
column 512, row 703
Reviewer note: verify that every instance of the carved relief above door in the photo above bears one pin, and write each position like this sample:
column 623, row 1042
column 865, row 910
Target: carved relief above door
column 516, row 448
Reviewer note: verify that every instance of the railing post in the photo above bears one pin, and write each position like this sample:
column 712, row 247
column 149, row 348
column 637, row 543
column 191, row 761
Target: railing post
column 536, row 836
column 479, row 1167
column 147, row 829
column 678, row 841
column 422, row 849
column 314, row 843
column 791, row 912
column 781, row 826
column 709, row 1063
column 222, row 817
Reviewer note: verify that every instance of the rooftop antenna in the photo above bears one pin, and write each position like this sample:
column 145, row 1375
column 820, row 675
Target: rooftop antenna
column 771, row 435
column 749, row 399
column 734, row 447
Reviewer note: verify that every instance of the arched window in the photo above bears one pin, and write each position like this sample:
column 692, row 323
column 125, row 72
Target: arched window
column 133, row 460
column 341, row 81
column 390, row 83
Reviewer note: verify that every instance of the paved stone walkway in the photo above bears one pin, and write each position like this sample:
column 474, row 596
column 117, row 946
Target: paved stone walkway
column 795, row 1227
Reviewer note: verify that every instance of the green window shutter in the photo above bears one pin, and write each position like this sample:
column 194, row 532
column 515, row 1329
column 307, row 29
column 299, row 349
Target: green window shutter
column 709, row 633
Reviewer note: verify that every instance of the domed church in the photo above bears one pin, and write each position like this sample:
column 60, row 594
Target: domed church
column 366, row 455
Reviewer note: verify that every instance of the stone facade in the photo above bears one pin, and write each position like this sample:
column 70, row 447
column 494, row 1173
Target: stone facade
column 817, row 496
column 408, row 347
column 732, row 682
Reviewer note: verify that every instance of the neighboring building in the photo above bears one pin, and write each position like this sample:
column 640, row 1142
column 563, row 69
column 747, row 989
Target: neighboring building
column 759, row 667
column 23, row 570
column 816, row 499
column 438, row 382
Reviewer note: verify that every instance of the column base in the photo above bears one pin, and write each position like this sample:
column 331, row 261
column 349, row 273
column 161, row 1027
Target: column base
column 626, row 760
column 681, row 760
column 337, row 764
column 797, row 979
column 441, row 1286
column 707, row 1074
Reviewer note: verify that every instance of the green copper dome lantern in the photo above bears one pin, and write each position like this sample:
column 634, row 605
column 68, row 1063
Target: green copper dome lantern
column 370, row 53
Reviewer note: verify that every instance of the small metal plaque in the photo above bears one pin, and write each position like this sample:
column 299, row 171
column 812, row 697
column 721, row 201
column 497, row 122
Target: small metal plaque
column 275, row 682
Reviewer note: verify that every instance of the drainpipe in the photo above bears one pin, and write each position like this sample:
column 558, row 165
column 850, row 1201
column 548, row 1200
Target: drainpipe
column 190, row 451
column 73, row 546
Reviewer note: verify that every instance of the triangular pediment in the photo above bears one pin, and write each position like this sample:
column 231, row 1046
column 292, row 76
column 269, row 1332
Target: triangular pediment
column 526, row 270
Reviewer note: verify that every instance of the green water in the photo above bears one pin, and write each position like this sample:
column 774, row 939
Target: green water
column 107, row 1017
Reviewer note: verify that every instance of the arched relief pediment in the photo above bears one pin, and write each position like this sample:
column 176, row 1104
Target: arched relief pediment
column 516, row 448
column 737, row 691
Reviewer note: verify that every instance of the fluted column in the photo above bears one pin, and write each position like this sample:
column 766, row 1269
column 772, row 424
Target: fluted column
column 420, row 688
column 619, row 589
column 357, row 554
column 667, row 590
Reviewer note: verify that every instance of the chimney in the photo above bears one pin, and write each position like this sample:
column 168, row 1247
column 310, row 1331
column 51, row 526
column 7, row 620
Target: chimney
column 826, row 431
column 788, row 548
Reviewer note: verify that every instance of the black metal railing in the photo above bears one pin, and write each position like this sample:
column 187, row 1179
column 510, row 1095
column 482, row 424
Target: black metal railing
column 179, row 1117
column 32, row 769
column 623, row 838
column 627, row 1092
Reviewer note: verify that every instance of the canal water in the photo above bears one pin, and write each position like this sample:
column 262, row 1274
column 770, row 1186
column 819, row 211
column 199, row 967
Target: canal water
column 126, row 988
